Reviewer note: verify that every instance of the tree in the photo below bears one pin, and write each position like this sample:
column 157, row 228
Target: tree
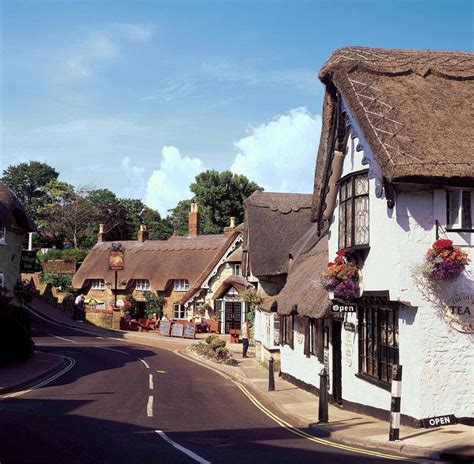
column 27, row 181
column 220, row 196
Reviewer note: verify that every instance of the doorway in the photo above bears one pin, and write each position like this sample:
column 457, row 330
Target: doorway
column 336, row 362
column 233, row 315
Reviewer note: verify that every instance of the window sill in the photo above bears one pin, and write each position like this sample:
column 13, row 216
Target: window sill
column 378, row 383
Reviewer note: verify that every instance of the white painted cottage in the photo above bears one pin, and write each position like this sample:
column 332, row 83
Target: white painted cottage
column 395, row 172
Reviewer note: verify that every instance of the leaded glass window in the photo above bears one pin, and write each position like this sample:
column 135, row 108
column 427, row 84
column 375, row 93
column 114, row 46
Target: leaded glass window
column 354, row 211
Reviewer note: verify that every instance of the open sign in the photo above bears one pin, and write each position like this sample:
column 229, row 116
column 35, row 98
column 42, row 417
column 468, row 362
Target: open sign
column 438, row 421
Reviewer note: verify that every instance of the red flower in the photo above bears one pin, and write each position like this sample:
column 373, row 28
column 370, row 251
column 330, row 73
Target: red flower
column 341, row 253
column 442, row 244
column 338, row 260
column 330, row 264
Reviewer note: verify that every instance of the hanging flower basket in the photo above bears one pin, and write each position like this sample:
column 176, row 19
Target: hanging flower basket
column 445, row 261
column 342, row 278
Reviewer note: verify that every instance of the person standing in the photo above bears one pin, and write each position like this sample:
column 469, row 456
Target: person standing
column 245, row 338
column 78, row 313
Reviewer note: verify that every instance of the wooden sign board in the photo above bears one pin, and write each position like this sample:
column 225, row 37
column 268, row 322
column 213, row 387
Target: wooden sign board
column 189, row 330
column 439, row 421
column 28, row 261
column 177, row 330
column 165, row 328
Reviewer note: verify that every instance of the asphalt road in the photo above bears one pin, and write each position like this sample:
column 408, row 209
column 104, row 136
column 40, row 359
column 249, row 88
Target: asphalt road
column 112, row 404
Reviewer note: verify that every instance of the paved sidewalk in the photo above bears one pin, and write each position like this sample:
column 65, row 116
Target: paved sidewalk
column 454, row 443
column 450, row 443
column 17, row 375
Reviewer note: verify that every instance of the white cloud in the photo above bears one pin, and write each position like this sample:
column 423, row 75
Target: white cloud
column 170, row 184
column 135, row 176
column 99, row 46
column 280, row 155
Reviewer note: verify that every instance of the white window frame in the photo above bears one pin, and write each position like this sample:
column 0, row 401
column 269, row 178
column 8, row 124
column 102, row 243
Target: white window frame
column 142, row 285
column 458, row 224
column 3, row 235
column 2, row 280
column 181, row 285
column 179, row 312
column 236, row 269
column 97, row 284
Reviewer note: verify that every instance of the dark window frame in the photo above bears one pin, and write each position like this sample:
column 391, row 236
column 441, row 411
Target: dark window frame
column 343, row 204
column 378, row 345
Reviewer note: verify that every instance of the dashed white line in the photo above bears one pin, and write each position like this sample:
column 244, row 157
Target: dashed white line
column 112, row 349
column 184, row 450
column 65, row 339
column 149, row 407
column 151, row 381
column 144, row 362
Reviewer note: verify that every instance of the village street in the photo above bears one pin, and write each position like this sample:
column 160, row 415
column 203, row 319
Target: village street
column 100, row 411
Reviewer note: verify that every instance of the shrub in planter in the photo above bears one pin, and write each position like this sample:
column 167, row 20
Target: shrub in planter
column 217, row 343
column 211, row 337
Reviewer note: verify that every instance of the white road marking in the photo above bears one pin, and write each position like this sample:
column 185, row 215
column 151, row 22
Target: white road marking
column 160, row 372
column 151, row 381
column 182, row 448
column 144, row 362
column 44, row 382
column 65, row 339
column 112, row 349
column 149, row 407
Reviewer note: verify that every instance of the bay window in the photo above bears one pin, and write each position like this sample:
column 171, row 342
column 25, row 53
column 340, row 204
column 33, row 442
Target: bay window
column 354, row 211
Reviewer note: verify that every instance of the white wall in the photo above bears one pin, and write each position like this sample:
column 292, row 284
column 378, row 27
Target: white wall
column 437, row 360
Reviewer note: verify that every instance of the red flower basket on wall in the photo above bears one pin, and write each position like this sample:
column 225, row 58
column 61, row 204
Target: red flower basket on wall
column 342, row 278
column 445, row 261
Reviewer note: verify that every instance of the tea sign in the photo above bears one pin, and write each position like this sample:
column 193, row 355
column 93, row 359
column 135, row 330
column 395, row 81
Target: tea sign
column 459, row 313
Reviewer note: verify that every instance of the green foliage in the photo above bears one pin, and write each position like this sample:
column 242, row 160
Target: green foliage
column 210, row 338
column 70, row 255
column 50, row 255
column 154, row 303
column 59, row 281
column 27, row 180
column 214, row 349
column 217, row 343
column 220, row 195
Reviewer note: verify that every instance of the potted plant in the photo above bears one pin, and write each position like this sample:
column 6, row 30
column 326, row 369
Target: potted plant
column 342, row 277
column 444, row 262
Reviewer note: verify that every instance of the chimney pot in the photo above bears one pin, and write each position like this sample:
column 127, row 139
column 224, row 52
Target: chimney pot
column 101, row 235
column 142, row 233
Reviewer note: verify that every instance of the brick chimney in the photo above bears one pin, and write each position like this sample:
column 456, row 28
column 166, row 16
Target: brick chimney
column 142, row 233
column 193, row 230
column 101, row 235
column 228, row 230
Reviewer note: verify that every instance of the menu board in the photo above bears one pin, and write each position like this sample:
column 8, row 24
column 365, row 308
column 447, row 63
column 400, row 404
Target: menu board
column 189, row 330
column 177, row 330
column 165, row 327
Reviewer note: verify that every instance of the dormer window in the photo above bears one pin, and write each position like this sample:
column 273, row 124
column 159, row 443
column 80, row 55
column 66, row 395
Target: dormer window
column 236, row 269
column 97, row 284
column 459, row 209
column 3, row 234
column 354, row 211
column 142, row 285
column 181, row 285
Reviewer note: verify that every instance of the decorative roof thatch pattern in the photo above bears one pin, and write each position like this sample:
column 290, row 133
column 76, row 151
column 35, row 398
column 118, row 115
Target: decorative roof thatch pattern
column 274, row 223
column 12, row 211
column 303, row 285
column 238, row 282
column 413, row 108
column 159, row 261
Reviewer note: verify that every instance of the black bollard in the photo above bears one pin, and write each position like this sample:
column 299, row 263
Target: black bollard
column 271, row 374
column 323, row 413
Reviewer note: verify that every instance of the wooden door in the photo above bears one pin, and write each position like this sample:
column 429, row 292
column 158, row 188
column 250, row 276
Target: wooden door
column 233, row 315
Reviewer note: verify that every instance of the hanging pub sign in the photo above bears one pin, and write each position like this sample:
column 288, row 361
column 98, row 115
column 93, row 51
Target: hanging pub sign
column 28, row 262
column 459, row 313
column 116, row 257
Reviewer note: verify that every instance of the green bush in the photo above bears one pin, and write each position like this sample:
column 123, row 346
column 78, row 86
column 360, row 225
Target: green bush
column 62, row 281
column 49, row 255
column 73, row 255
column 211, row 337
column 217, row 343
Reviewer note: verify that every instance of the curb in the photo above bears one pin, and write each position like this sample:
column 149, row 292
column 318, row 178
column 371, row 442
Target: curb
column 36, row 378
column 321, row 431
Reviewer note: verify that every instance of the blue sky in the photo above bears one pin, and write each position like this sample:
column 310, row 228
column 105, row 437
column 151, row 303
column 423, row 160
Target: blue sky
column 139, row 96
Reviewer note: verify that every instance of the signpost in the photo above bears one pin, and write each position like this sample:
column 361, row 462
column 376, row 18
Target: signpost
column 116, row 258
column 439, row 421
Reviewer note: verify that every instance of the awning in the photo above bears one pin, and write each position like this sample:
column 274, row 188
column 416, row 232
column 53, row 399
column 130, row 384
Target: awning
column 93, row 302
column 303, row 286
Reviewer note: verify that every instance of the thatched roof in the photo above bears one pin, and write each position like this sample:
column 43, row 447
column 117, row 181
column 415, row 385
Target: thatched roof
column 303, row 287
column 274, row 223
column 197, row 286
column 413, row 108
column 12, row 211
column 236, row 256
column 159, row 261
column 238, row 282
